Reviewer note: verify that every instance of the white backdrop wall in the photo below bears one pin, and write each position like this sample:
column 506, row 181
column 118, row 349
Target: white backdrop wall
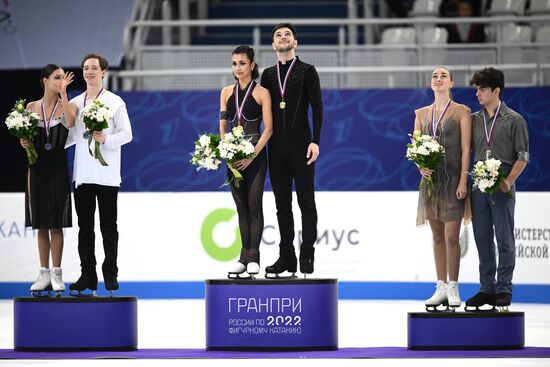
column 363, row 236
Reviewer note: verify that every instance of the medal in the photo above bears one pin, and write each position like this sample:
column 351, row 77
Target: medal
column 86, row 134
column 96, row 97
column 489, row 134
column 48, row 146
column 239, row 109
column 435, row 125
column 282, row 86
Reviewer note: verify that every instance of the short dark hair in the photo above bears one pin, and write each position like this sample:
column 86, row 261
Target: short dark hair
column 249, row 52
column 103, row 63
column 47, row 71
column 488, row 77
column 283, row 25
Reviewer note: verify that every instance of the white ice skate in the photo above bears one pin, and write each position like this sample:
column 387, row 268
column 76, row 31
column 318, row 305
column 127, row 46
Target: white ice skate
column 237, row 271
column 439, row 297
column 57, row 281
column 42, row 284
column 453, row 296
column 253, row 268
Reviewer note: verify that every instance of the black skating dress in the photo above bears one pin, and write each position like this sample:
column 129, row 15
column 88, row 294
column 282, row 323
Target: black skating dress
column 249, row 195
column 47, row 185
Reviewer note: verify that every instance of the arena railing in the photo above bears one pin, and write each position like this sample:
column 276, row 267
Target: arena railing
column 526, row 60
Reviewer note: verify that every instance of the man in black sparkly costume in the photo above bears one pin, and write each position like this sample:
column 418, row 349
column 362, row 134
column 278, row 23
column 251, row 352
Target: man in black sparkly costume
column 294, row 86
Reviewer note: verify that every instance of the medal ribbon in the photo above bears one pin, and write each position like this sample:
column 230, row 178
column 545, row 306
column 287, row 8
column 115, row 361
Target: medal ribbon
column 282, row 87
column 239, row 109
column 489, row 134
column 47, row 126
column 86, row 96
column 435, row 125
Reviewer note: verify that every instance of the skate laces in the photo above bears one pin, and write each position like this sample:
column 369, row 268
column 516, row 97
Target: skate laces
column 56, row 275
column 43, row 275
column 453, row 289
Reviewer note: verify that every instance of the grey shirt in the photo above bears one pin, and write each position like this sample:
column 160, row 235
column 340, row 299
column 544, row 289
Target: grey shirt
column 510, row 139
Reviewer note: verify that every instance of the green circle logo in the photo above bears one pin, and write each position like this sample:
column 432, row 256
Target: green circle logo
column 207, row 236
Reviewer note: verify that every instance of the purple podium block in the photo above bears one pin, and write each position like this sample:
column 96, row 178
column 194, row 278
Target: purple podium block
column 272, row 314
column 466, row 330
column 75, row 323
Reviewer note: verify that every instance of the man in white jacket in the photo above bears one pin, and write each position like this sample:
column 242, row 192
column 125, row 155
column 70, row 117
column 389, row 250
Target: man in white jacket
column 93, row 180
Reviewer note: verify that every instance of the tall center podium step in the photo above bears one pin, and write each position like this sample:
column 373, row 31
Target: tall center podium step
column 271, row 314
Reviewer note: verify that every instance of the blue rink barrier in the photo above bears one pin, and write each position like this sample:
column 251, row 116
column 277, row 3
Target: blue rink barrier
column 523, row 293
column 271, row 314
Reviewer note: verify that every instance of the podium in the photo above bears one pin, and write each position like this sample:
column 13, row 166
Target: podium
column 271, row 314
column 466, row 330
column 75, row 323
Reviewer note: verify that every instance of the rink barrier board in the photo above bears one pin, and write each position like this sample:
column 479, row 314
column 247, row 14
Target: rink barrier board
column 483, row 330
column 84, row 323
column 271, row 314
column 360, row 290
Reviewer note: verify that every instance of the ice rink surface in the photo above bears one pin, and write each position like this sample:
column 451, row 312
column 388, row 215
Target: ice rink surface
column 180, row 324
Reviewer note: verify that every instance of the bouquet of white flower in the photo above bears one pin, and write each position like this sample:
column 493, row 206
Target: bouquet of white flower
column 206, row 154
column 487, row 175
column 96, row 117
column 234, row 147
column 426, row 152
column 22, row 124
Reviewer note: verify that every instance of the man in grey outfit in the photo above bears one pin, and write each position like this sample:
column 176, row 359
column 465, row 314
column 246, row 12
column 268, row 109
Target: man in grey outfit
column 501, row 133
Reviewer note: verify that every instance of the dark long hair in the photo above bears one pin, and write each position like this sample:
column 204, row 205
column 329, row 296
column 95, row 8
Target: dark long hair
column 249, row 51
column 47, row 71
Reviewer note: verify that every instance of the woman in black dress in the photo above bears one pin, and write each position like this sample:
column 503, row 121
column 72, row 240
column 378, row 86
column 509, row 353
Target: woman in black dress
column 246, row 103
column 47, row 187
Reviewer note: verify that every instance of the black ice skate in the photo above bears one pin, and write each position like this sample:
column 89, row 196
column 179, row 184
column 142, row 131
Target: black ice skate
column 111, row 283
column 503, row 301
column 306, row 265
column 86, row 281
column 283, row 264
column 479, row 300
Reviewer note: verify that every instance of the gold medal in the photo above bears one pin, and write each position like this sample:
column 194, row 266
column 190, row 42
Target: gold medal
column 282, row 105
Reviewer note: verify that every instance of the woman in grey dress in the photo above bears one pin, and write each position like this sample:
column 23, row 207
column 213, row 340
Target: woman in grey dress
column 450, row 124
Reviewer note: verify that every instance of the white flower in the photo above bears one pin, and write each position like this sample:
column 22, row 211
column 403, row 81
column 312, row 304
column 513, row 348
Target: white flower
column 238, row 131
column 204, row 140
column 422, row 150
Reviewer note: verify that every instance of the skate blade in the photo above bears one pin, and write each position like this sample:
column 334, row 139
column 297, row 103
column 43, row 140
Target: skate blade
column 453, row 308
column 434, row 308
column 38, row 294
column 83, row 295
column 478, row 309
column 286, row 275
column 238, row 276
